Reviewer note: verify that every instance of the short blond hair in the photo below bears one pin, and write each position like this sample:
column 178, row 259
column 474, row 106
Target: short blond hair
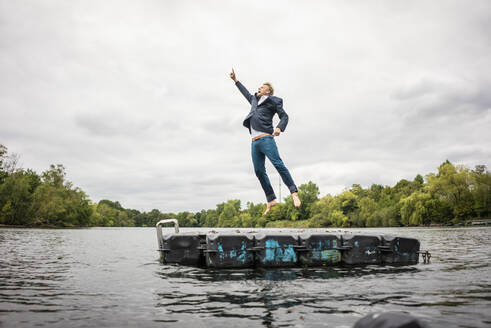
column 270, row 86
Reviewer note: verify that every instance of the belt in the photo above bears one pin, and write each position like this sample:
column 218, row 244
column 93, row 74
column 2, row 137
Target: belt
column 261, row 136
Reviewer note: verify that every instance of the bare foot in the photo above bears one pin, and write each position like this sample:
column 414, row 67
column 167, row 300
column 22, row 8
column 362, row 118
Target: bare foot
column 269, row 205
column 296, row 200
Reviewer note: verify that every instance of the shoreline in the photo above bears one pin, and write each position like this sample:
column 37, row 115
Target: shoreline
column 485, row 224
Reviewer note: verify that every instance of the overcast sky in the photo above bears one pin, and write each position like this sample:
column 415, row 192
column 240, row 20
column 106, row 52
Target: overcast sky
column 134, row 97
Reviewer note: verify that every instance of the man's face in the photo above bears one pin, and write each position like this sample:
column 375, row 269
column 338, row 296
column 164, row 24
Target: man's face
column 263, row 90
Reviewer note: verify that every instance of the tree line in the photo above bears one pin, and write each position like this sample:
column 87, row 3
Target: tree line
column 453, row 194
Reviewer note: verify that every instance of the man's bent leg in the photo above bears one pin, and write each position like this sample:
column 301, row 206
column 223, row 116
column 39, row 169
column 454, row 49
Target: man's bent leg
column 271, row 151
column 258, row 160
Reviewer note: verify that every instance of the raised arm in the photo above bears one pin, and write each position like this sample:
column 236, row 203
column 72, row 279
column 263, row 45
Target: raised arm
column 241, row 88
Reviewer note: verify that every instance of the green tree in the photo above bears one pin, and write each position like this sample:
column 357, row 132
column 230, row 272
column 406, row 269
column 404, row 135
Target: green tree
column 56, row 202
column 320, row 212
column 375, row 192
column 255, row 211
column 385, row 217
column 451, row 185
column 480, row 185
column 419, row 181
column 308, row 194
column 229, row 217
column 347, row 202
column 246, row 220
column 186, row 219
column 368, row 207
column 211, row 218
column 338, row 218
column 413, row 208
column 277, row 213
column 16, row 194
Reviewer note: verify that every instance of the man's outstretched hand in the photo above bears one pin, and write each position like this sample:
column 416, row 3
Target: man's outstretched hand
column 232, row 76
column 277, row 132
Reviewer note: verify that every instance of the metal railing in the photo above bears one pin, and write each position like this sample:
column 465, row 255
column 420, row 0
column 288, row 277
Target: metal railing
column 158, row 226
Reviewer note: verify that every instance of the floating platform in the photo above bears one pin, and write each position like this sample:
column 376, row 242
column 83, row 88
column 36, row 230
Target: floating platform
column 249, row 250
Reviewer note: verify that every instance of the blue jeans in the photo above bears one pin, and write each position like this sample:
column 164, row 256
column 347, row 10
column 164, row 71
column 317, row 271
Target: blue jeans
column 266, row 147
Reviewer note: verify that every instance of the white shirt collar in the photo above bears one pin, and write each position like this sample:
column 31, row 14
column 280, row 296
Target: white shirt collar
column 262, row 99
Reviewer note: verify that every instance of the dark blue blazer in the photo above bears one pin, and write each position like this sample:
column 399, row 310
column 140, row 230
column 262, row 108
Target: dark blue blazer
column 260, row 118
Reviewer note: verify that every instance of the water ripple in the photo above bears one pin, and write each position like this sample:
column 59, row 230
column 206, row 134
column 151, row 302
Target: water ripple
column 112, row 277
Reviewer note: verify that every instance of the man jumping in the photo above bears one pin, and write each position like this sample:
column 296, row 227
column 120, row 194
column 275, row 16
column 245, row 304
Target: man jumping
column 260, row 125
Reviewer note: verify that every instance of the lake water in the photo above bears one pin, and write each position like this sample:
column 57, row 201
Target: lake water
column 111, row 277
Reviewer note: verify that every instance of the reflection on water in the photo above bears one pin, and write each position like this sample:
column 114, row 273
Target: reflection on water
column 112, row 277
column 260, row 293
column 281, row 274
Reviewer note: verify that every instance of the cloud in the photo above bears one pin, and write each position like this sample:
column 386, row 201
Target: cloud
column 105, row 125
column 445, row 97
column 135, row 100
